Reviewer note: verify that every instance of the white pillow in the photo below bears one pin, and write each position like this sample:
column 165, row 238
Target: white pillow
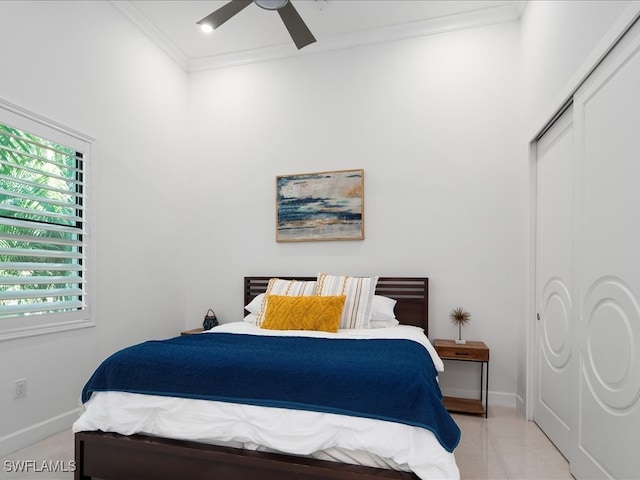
column 359, row 292
column 254, row 305
column 383, row 323
column 382, row 314
column 251, row 318
column 290, row 288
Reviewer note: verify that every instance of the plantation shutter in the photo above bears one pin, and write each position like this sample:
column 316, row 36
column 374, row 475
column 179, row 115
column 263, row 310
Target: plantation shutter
column 42, row 226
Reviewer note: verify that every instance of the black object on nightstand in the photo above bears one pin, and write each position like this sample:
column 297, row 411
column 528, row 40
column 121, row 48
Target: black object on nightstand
column 210, row 320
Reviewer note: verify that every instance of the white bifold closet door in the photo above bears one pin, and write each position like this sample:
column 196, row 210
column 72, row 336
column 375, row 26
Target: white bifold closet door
column 554, row 207
column 605, row 421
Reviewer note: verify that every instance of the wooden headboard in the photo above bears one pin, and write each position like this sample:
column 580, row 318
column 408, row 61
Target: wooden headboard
column 410, row 293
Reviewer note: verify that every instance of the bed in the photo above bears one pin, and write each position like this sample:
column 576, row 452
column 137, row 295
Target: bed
column 109, row 455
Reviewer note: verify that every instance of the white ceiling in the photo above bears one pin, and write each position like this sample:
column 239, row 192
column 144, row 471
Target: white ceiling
column 255, row 34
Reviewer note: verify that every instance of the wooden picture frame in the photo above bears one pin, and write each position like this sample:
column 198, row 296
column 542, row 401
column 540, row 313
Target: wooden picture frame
column 320, row 206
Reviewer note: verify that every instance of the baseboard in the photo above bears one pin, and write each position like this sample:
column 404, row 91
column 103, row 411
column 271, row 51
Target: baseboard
column 521, row 406
column 496, row 399
column 502, row 399
column 39, row 431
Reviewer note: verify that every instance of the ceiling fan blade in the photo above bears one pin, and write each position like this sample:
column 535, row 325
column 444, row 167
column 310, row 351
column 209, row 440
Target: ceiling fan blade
column 224, row 13
column 298, row 30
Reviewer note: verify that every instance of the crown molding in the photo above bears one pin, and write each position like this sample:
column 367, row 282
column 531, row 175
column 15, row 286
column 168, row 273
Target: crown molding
column 480, row 17
column 139, row 20
column 520, row 6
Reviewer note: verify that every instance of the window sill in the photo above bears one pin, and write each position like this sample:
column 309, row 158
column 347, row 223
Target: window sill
column 45, row 329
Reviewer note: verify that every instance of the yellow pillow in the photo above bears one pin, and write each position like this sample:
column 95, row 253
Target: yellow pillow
column 304, row 313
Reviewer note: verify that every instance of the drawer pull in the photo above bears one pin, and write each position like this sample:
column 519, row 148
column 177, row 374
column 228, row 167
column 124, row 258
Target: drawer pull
column 462, row 353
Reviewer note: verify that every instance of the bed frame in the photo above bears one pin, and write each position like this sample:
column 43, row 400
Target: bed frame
column 111, row 456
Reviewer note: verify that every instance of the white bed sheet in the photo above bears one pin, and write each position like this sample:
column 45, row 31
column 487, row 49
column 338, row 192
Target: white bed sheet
column 320, row 435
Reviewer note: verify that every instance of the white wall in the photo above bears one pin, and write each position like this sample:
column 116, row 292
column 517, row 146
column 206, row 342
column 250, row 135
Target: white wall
column 85, row 66
column 557, row 38
column 433, row 122
column 559, row 41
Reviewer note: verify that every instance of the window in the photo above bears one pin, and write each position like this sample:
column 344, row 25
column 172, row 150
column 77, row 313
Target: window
column 43, row 228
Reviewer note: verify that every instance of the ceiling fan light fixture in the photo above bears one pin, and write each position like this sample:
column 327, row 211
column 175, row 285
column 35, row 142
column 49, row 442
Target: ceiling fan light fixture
column 300, row 33
column 271, row 4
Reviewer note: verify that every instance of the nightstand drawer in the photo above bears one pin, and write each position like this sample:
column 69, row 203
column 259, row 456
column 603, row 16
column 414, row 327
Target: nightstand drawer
column 476, row 351
column 460, row 354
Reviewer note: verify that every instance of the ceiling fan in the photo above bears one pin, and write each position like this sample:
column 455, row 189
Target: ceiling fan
column 298, row 30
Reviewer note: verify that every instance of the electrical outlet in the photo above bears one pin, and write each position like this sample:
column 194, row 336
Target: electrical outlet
column 20, row 388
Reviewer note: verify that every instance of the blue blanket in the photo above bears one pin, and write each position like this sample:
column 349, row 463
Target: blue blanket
column 392, row 380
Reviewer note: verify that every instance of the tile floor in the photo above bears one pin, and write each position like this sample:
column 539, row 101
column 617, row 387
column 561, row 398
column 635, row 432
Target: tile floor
column 504, row 446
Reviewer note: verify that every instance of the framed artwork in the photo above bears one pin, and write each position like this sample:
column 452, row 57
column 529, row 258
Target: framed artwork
column 320, row 206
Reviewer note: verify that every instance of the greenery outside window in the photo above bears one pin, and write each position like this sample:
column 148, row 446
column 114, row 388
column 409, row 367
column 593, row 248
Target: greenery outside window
column 43, row 231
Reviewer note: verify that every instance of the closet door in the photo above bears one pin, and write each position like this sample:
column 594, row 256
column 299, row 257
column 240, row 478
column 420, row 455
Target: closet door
column 554, row 180
column 605, row 424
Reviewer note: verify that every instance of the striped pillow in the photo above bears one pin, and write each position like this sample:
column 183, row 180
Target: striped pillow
column 289, row 288
column 359, row 292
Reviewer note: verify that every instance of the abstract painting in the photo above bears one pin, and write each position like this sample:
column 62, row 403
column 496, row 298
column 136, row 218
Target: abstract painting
column 320, row 206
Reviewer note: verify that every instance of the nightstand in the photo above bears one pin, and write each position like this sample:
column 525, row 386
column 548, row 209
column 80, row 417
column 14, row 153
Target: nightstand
column 192, row 331
column 468, row 352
